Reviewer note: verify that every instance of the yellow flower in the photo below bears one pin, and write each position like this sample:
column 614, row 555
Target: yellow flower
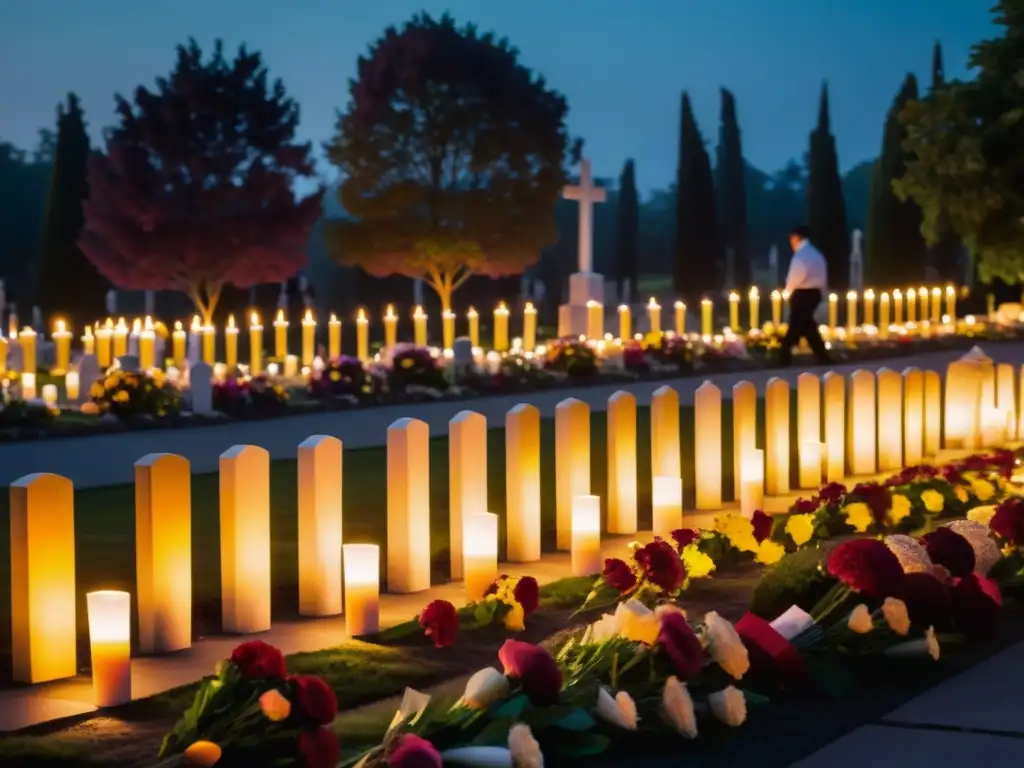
column 770, row 552
column 982, row 515
column 800, row 528
column 738, row 530
column 900, row 508
column 204, row 753
column 637, row 622
column 275, row 706
column 515, row 619
column 335, row 376
column 933, row 501
column 158, row 377
column 97, row 390
column 121, row 397
column 110, row 382
column 698, row 564
column 859, row 516
column 983, row 489
column 407, row 363
column 961, row 493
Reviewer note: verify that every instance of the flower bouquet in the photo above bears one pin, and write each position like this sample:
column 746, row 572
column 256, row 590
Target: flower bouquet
column 131, row 394
column 414, row 370
column 344, row 378
column 575, row 358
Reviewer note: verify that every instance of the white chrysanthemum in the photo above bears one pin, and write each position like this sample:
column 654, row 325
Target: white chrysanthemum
column 484, row 688
column 729, row 706
column 619, row 711
column 912, row 555
column 677, row 708
column 986, row 551
column 725, row 645
column 524, row 748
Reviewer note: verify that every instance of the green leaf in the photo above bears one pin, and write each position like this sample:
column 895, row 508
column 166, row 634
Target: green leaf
column 539, row 718
column 573, row 744
column 514, row 707
column 578, row 720
column 484, row 612
column 495, row 733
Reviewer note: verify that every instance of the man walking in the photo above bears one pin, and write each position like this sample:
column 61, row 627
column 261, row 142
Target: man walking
column 806, row 283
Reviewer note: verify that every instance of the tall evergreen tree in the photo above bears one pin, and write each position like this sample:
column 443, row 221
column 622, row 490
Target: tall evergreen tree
column 896, row 250
column 731, row 184
column 826, row 209
column 945, row 254
column 698, row 249
column 69, row 285
column 627, row 232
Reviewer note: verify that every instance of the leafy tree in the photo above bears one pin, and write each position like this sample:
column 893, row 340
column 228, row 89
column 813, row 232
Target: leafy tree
column 896, row 251
column 627, row 232
column 945, row 253
column 451, row 155
column 698, row 249
column 23, row 182
column 195, row 189
column 69, row 284
column 731, row 173
column 826, row 208
column 966, row 140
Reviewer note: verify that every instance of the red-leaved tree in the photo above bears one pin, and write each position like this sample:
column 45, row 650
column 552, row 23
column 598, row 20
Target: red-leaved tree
column 196, row 188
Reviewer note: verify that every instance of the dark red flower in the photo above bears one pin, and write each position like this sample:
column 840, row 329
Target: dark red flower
column 866, row 566
column 805, row 506
column 684, row 537
column 412, row 751
column 315, row 698
column 440, row 621
column 762, row 525
column 927, row 600
column 527, row 594
column 877, row 497
column 1008, row 521
column 535, row 669
column 319, row 747
column 661, row 564
column 618, row 575
column 949, row 549
column 832, row 493
column 258, row 660
column 951, row 474
column 977, row 607
column 677, row 639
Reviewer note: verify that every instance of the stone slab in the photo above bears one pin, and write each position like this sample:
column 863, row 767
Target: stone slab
column 879, row 746
column 584, row 287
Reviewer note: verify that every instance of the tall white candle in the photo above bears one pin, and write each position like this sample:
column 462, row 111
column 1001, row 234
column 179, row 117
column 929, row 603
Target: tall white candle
column 110, row 646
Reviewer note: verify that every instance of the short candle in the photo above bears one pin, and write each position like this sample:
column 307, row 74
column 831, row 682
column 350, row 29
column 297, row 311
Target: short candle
column 28, row 386
column 586, row 535
column 62, row 341
column 810, row 463
column 334, row 337
column 71, row 385
column 667, row 504
column 230, row 343
column 529, row 327
column 280, row 336
column 473, row 318
column 751, row 482
column 595, row 319
column 479, row 553
column 390, row 328
column 88, row 341
column 625, row 322
column 361, row 563
column 654, row 316
column 110, row 647
column 680, row 318
column 178, row 337
column 147, row 346
column 120, row 338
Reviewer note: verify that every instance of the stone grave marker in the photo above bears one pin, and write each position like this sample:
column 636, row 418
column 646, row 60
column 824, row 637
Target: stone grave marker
column 201, row 383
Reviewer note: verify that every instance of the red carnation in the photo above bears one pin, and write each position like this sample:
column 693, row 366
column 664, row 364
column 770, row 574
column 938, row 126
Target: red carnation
column 661, row 564
column 315, row 698
column 951, row 474
column 977, row 607
column 618, row 575
column 927, row 600
column 535, row 668
column 319, row 747
column 684, row 537
column 832, row 493
column 877, row 497
column 762, row 525
column 440, row 621
column 949, row 549
column 412, row 751
column 866, row 566
column 677, row 639
column 1008, row 521
column 258, row 660
column 805, row 506
column 527, row 594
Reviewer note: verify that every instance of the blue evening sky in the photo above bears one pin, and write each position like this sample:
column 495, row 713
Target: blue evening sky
column 621, row 63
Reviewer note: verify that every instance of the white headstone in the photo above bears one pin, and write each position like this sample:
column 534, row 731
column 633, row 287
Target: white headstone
column 111, row 302
column 88, row 373
column 462, row 355
column 857, row 261
column 133, row 343
column 587, row 195
column 201, row 383
column 195, row 347
column 150, row 299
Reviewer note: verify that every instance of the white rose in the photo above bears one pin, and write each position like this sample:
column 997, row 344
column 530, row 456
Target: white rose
column 637, row 622
column 524, row 748
column 484, row 688
column 729, row 706
column 860, row 620
column 895, row 613
column 677, row 708
column 604, row 629
column 620, row 711
column 725, row 645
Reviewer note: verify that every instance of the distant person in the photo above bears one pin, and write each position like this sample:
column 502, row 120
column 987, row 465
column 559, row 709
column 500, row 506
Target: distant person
column 806, row 284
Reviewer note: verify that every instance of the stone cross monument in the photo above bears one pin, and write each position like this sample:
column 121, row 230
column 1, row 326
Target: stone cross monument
column 584, row 285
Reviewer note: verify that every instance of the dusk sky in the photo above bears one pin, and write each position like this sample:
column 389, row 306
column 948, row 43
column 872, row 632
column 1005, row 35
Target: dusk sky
column 621, row 64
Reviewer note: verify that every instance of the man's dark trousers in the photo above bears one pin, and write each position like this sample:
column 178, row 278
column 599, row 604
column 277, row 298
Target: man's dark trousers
column 802, row 304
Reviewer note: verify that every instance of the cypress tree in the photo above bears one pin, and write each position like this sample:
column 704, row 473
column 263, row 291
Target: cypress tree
column 826, row 209
column 627, row 232
column 731, row 175
column 698, row 250
column 945, row 254
column 896, row 251
column 69, row 285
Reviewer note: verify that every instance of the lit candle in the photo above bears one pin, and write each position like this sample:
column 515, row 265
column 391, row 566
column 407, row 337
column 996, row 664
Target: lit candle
column 28, row 386
column 625, row 322
column 3, row 354
column 390, row 328
column 473, row 318
column 922, row 295
column 419, row 327
column 12, row 325
column 230, row 343
column 911, row 305
column 851, row 313
column 897, row 307
column 755, row 309
column 280, row 336
column 308, row 338
column 110, row 647
column 50, row 394
column 501, row 327
column 178, row 344
column 654, row 316
column 195, row 338
column 147, row 346
column 706, row 319
column 334, row 337
column 120, row 338
column 833, row 314
column 734, row 312
column 869, row 307
column 362, row 336
column 479, row 554
column 362, row 588
column 62, row 341
column 751, row 482
column 27, row 339
column 776, row 308
column 586, row 535
column 936, row 305
column 595, row 319
column 255, row 345
column 209, row 345
column 993, row 427
column 88, row 341
column 71, row 385
column 448, row 329
column 951, row 303
column 679, row 310
column 103, row 342
column 667, row 504
column 810, row 464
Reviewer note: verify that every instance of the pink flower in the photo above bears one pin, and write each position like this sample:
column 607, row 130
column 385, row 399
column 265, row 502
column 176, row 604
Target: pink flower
column 535, row 669
column 411, row 751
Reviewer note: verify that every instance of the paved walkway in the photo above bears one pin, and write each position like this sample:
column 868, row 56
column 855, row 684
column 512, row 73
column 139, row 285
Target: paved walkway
column 92, row 462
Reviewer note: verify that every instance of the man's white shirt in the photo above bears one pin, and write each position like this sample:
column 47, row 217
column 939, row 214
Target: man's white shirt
column 807, row 269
